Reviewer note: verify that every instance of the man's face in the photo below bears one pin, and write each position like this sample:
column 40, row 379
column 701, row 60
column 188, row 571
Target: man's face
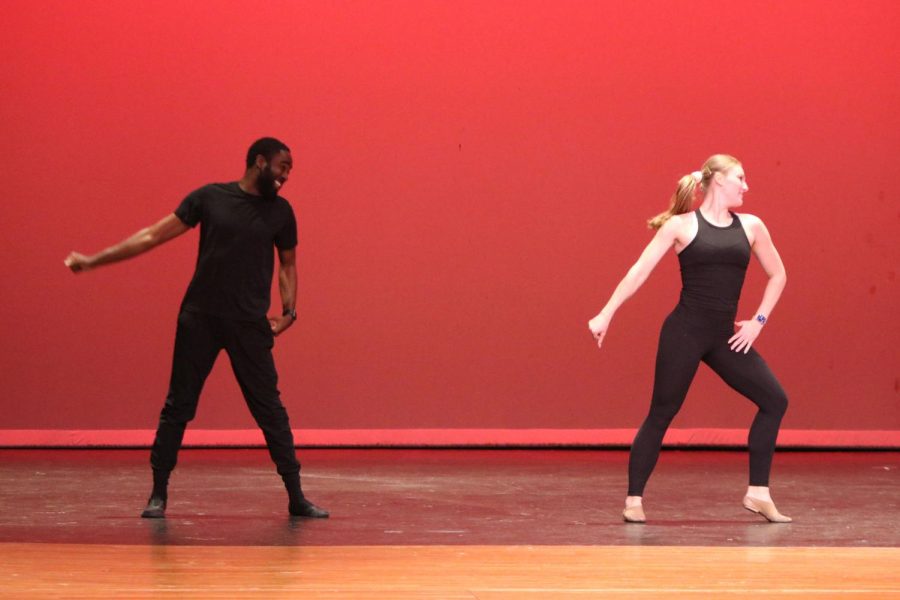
column 273, row 174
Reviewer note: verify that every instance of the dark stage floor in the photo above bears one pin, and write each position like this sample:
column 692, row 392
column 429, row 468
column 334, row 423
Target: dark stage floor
column 439, row 497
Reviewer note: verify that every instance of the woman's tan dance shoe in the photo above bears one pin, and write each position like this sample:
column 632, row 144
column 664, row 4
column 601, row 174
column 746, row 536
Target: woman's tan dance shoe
column 766, row 509
column 634, row 514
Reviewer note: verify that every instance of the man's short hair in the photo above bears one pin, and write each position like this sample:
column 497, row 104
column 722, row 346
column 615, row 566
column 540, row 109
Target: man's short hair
column 267, row 146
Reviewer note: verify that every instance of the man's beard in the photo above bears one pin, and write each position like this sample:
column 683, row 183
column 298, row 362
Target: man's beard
column 265, row 183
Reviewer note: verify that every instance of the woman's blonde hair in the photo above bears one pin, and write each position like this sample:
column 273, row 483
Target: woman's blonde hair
column 690, row 185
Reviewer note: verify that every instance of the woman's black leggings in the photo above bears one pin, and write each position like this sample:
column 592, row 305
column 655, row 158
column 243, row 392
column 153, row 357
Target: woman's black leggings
column 688, row 337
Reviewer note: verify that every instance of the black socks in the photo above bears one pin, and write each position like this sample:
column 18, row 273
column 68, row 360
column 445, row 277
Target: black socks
column 160, row 484
column 292, row 485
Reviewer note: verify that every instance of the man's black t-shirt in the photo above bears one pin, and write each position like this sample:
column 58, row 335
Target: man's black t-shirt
column 236, row 259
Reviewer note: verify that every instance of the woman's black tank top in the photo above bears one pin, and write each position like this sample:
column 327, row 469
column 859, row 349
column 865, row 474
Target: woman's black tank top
column 713, row 267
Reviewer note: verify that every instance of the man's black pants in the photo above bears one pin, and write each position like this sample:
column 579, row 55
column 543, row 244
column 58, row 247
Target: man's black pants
column 198, row 340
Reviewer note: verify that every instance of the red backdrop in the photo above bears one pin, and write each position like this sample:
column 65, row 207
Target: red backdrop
column 471, row 182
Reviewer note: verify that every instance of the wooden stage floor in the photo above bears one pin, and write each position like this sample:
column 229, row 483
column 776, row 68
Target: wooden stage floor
column 475, row 524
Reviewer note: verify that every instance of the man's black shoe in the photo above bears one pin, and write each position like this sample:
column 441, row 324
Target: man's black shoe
column 156, row 508
column 305, row 508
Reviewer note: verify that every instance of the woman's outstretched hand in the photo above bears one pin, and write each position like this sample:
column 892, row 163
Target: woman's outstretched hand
column 747, row 332
column 78, row 263
column 598, row 326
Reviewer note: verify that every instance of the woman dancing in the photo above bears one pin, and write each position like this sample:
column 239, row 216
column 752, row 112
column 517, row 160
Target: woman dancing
column 713, row 245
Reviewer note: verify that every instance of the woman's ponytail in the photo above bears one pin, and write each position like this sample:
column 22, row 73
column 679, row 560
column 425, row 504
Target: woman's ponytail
column 681, row 201
column 692, row 185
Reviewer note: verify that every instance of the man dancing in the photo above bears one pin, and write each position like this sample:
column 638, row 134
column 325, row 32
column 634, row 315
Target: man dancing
column 225, row 307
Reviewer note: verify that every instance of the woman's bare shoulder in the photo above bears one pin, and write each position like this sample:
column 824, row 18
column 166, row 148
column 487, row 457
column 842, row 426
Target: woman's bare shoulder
column 748, row 219
column 684, row 223
column 684, row 219
column 682, row 229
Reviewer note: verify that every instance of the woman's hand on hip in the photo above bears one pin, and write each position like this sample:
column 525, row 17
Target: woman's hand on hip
column 746, row 334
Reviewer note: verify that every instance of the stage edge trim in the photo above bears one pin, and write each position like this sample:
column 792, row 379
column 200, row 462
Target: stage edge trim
column 349, row 438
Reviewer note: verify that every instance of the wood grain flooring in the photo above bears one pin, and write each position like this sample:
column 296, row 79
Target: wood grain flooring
column 451, row 572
